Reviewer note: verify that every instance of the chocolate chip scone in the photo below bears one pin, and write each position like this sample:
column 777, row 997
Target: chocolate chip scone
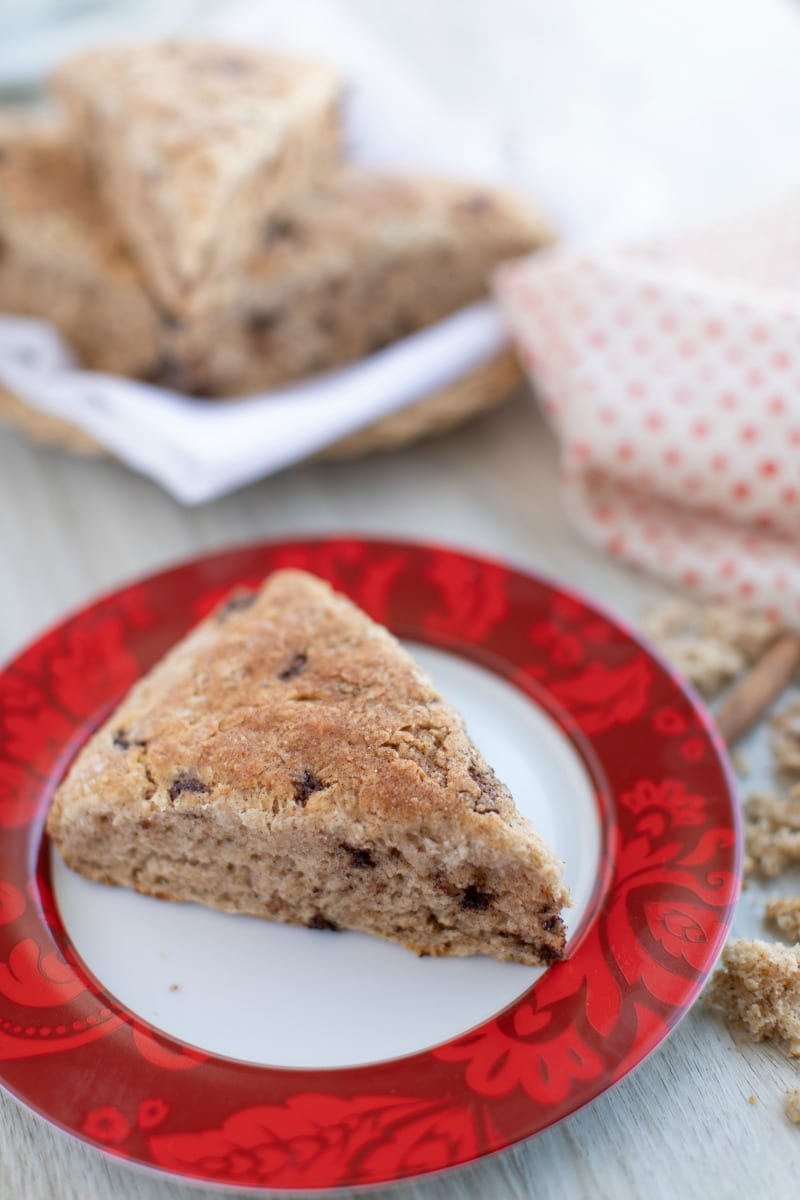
column 363, row 260
column 194, row 145
column 59, row 259
column 288, row 759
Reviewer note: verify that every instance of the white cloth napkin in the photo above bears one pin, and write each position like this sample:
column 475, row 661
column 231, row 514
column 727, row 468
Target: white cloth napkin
column 671, row 374
column 197, row 449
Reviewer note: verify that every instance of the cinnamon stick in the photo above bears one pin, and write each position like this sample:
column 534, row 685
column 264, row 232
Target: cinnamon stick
column 748, row 700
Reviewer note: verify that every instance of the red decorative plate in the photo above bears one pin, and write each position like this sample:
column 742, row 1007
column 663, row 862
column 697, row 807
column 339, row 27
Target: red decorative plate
column 655, row 871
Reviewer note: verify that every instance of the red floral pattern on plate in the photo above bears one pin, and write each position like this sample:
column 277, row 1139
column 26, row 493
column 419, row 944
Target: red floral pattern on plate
column 664, row 894
column 311, row 1140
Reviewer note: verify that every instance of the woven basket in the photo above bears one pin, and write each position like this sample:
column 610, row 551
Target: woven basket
column 484, row 388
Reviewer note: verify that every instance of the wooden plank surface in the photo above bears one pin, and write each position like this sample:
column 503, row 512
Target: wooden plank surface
column 682, row 1124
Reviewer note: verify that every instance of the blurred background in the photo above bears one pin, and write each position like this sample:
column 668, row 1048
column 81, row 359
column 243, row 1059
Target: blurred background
column 616, row 119
column 624, row 114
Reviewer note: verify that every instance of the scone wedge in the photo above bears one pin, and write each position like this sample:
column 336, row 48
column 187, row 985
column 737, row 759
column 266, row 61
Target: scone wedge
column 195, row 146
column 360, row 262
column 289, row 759
column 363, row 261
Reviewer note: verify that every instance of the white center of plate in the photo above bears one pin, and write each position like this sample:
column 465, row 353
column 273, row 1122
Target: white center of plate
column 286, row 996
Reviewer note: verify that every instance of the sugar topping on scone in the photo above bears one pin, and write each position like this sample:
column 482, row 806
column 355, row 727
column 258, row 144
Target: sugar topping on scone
column 289, row 759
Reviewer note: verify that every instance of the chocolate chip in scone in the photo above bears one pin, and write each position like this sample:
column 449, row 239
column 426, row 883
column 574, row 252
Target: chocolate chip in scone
column 169, row 319
column 549, row 954
column 231, row 64
column 333, row 288
column 203, row 391
column 168, row 372
column 305, row 785
column 327, row 322
column 474, row 898
column 552, row 924
column 241, row 599
column 260, row 326
column 404, row 324
column 320, row 922
column 186, row 782
column 379, row 342
column 123, row 740
column 294, row 667
column 360, row 858
column 477, row 204
column 279, row 227
column 260, row 323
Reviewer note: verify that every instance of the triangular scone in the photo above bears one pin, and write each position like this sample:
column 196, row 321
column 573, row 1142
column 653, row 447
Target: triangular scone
column 288, row 759
column 195, row 146
column 362, row 260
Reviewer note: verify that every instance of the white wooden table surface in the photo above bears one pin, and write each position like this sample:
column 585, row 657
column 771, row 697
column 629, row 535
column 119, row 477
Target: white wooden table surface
column 679, row 1126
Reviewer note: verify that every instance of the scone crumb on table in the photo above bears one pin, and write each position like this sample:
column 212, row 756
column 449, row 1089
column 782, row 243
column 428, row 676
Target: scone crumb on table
column 785, row 913
column 757, row 988
column 792, row 1105
column 772, row 832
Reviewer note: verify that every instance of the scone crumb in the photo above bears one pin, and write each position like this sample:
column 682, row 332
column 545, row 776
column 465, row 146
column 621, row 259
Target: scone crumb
column 708, row 643
column 757, row 988
column 748, row 632
column 751, row 1099
column 174, row 987
column 792, row 1105
column 785, row 740
column 671, row 617
column 708, row 664
column 772, row 832
column 785, row 912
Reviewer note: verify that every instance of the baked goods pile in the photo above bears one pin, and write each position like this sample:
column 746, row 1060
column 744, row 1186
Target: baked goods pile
column 288, row 759
column 187, row 217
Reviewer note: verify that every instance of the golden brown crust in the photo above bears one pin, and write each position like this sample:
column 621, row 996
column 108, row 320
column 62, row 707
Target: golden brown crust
column 300, row 738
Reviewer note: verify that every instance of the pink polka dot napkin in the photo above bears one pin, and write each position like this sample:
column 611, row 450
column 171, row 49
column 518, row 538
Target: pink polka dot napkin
column 671, row 375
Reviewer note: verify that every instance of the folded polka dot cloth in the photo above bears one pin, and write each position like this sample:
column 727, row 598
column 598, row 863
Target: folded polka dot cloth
column 671, row 374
